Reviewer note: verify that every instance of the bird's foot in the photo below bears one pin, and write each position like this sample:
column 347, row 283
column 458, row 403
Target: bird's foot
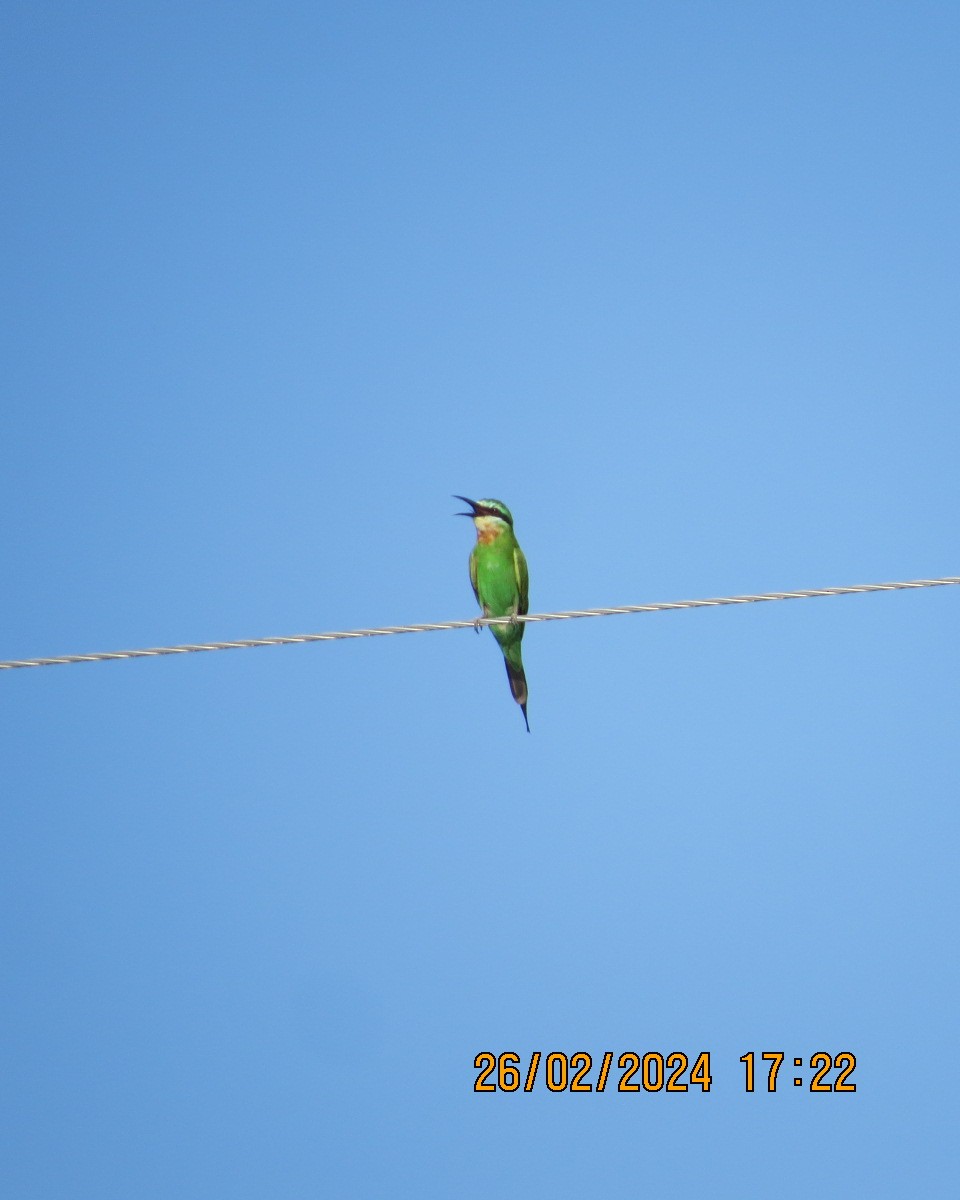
column 477, row 626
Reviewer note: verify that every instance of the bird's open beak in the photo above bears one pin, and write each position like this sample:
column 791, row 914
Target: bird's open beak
column 473, row 505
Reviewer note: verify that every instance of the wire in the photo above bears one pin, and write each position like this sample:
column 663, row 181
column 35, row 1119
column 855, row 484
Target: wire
column 530, row 618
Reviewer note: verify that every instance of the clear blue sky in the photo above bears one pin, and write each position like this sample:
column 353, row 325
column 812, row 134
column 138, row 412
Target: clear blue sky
column 678, row 282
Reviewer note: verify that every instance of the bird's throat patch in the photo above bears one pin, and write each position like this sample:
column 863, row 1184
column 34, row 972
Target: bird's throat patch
column 488, row 529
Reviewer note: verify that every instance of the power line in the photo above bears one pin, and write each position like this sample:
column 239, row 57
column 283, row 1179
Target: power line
column 664, row 606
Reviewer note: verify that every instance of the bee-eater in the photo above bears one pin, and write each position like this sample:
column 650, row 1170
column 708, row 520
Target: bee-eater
column 498, row 572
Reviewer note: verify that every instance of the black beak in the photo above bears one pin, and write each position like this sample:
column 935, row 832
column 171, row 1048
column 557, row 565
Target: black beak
column 473, row 505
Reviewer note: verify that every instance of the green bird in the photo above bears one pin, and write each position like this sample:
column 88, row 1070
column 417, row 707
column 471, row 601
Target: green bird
column 498, row 572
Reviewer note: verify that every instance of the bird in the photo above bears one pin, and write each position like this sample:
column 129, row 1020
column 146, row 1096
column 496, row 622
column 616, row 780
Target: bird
column 498, row 574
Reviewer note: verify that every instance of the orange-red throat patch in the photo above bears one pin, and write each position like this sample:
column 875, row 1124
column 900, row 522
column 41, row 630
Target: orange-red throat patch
column 488, row 529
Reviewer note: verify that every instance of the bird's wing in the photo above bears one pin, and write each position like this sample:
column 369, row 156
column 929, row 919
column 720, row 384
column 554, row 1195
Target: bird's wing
column 520, row 568
column 473, row 578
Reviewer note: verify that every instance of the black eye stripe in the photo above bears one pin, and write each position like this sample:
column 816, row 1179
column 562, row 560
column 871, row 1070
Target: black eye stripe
column 493, row 512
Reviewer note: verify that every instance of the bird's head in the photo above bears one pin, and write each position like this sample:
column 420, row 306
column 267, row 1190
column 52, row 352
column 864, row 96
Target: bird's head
column 487, row 514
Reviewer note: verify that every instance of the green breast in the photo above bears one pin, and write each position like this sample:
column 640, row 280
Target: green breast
column 497, row 577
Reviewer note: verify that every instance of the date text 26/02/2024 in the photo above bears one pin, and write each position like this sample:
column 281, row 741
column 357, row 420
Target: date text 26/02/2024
column 653, row 1071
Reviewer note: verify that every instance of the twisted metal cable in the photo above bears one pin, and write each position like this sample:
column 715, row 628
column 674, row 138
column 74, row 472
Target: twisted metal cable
column 663, row 606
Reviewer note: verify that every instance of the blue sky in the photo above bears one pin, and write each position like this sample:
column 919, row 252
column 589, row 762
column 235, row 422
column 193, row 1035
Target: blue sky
column 678, row 283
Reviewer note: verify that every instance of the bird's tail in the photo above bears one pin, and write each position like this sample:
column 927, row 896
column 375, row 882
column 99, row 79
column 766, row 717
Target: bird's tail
column 518, row 681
